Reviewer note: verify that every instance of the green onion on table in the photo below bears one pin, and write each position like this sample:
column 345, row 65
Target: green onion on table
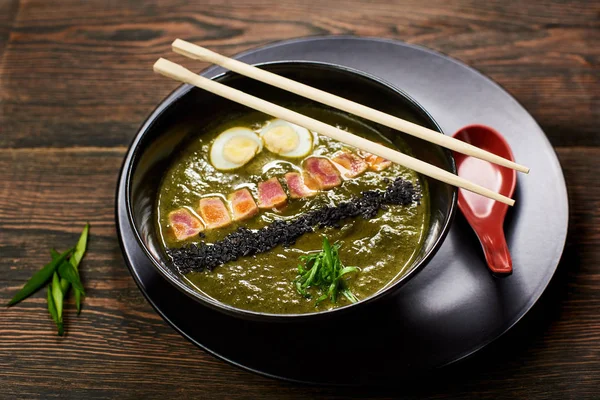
column 60, row 274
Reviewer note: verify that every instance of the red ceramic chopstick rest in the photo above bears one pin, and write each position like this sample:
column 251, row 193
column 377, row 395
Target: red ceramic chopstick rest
column 486, row 216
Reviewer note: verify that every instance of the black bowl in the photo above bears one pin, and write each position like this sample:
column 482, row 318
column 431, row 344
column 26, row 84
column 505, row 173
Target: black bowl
column 187, row 108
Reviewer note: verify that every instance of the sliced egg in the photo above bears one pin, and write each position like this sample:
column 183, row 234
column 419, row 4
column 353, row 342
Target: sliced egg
column 234, row 147
column 286, row 139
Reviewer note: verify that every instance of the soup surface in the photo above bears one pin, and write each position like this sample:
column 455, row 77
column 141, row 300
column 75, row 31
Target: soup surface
column 382, row 247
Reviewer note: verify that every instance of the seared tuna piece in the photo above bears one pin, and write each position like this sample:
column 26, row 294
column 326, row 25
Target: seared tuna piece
column 351, row 164
column 298, row 185
column 184, row 224
column 323, row 172
column 242, row 205
column 375, row 163
column 214, row 212
column 271, row 194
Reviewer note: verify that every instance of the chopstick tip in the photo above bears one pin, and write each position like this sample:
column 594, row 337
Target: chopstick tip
column 193, row 51
column 158, row 64
column 177, row 42
column 174, row 71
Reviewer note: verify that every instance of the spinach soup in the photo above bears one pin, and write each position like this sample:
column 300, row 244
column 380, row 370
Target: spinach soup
column 266, row 216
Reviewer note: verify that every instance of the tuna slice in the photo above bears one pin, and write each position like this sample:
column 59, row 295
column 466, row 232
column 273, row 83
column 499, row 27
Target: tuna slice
column 351, row 164
column 214, row 212
column 184, row 224
column 271, row 194
column 242, row 205
column 375, row 163
column 298, row 185
column 323, row 172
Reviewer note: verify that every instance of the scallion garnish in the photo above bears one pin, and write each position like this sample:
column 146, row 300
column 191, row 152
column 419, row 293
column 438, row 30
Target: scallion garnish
column 40, row 278
column 324, row 271
column 61, row 273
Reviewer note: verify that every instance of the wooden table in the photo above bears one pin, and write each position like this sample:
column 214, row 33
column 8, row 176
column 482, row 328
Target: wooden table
column 76, row 82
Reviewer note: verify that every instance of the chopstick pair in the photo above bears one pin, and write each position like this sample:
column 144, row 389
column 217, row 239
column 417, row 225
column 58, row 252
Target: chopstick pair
column 179, row 73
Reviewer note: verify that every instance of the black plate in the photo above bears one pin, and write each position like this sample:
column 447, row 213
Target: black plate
column 454, row 307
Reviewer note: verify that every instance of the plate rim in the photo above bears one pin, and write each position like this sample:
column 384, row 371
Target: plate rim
column 538, row 291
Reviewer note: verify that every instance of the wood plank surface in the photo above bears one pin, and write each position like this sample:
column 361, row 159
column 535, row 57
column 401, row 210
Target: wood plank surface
column 97, row 57
column 75, row 83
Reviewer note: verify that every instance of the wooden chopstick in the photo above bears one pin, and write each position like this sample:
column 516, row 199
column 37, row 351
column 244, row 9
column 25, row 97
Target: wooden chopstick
column 200, row 53
column 179, row 73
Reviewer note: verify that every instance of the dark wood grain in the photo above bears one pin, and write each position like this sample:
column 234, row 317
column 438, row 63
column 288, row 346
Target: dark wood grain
column 8, row 10
column 118, row 343
column 98, row 57
column 75, row 83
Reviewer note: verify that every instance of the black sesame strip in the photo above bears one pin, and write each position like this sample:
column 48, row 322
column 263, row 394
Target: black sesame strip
column 244, row 242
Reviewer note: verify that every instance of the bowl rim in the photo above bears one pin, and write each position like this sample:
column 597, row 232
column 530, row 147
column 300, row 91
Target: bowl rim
column 133, row 154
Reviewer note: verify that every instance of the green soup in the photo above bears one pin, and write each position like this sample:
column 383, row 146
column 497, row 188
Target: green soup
column 383, row 247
